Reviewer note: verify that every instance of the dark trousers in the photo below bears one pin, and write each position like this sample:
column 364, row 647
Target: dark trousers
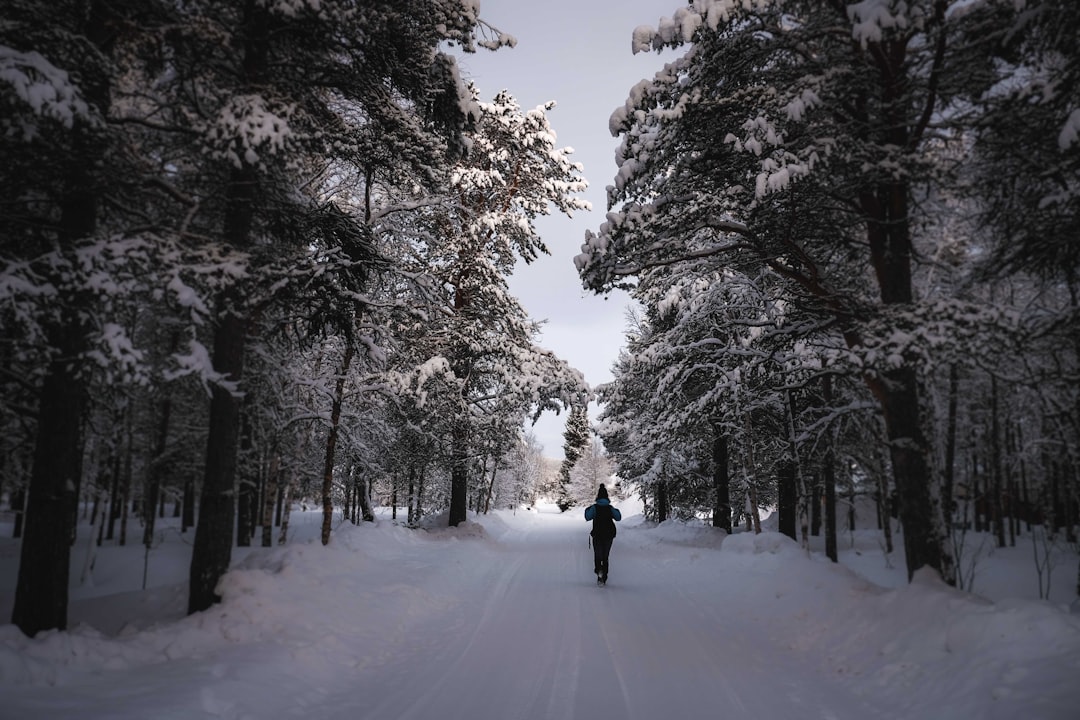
column 601, row 547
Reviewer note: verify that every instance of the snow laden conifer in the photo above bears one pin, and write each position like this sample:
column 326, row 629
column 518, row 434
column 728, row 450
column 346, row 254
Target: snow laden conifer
column 277, row 83
column 483, row 376
column 592, row 469
column 70, row 252
column 194, row 137
column 796, row 137
column 706, row 338
column 1027, row 160
column 575, row 440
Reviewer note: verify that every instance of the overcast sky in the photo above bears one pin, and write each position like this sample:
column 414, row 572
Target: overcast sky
column 577, row 53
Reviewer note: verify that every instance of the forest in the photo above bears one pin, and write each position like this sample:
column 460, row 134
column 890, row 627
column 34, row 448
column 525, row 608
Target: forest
column 254, row 254
column 851, row 230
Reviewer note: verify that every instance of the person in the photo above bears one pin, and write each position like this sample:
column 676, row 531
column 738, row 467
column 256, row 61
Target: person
column 603, row 515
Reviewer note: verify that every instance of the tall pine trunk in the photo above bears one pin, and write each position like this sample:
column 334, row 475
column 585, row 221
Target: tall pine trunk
column 459, row 473
column 270, row 494
column 897, row 390
column 41, row 592
column 410, row 511
column 802, row 493
column 363, row 490
column 156, row 470
column 949, row 481
column 490, row 488
column 899, row 123
column 331, row 445
column 721, row 480
column 828, row 477
column 923, row 538
column 996, row 487
column 663, row 505
column 787, row 500
column 126, row 477
column 212, row 549
column 187, row 510
column 18, row 506
column 284, row 509
column 247, row 477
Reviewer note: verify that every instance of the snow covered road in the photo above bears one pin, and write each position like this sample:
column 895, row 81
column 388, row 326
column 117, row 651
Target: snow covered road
column 541, row 640
column 501, row 619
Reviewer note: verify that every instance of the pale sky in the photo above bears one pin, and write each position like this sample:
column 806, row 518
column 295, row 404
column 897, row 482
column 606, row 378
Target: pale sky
column 576, row 53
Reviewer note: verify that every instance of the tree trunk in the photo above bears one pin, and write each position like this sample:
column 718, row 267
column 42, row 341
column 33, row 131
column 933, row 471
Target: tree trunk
column 18, row 506
column 459, row 474
column 815, row 506
column 663, row 507
column 281, row 495
column 1025, row 496
column 115, row 506
column 350, row 497
column 885, row 504
column 420, row 492
column 755, row 510
column 331, row 445
column 949, row 480
column 888, row 233
column 787, row 500
column 86, row 578
column 851, row 511
column 187, row 519
column 127, row 477
column 490, row 487
column 920, row 516
column 41, row 591
column 1012, row 493
column 102, row 502
column 270, row 495
column 996, row 486
column 479, row 493
column 247, row 477
column 157, row 468
column 976, row 488
column 721, row 480
column 751, row 489
column 285, row 508
column 363, row 497
column 828, row 477
column 212, row 550
column 802, row 493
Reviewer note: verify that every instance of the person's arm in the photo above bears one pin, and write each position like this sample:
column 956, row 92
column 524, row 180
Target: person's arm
column 615, row 514
column 590, row 512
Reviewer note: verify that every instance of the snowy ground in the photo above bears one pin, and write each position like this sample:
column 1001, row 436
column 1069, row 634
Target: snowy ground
column 501, row 619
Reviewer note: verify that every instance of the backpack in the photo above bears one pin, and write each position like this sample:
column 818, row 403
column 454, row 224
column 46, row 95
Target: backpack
column 603, row 525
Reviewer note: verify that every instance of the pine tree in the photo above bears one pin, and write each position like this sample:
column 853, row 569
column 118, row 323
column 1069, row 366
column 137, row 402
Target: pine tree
column 61, row 162
column 482, row 372
column 575, row 440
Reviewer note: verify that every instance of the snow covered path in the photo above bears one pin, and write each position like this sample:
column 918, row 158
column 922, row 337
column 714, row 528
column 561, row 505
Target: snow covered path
column 546, row 642
column 501, row 619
